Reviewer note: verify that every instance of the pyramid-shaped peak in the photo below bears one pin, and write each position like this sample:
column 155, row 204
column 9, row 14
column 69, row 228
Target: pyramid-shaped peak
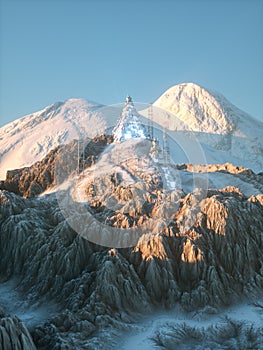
column 201, row 109
column 129, row 125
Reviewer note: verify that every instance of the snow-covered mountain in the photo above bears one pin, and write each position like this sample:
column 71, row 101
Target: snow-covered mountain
column 225, row 132
column 192, row 235
column 199, row 109
column 29, row 139
column 129, row 125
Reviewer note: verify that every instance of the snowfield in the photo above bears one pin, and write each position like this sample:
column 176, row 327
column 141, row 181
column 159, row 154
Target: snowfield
column 29, row 139
column 226, row 133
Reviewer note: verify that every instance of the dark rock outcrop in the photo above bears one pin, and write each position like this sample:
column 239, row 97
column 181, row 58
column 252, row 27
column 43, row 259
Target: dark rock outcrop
column 34, row 180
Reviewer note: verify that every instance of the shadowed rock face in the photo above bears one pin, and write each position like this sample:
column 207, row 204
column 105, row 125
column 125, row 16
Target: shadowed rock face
column 34, row 180
column 215, row 261
column 13, row 334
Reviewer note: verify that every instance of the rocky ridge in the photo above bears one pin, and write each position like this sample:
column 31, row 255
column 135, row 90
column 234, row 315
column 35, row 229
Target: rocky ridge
column 34, row 180
column 213, row 263
column 199, row 249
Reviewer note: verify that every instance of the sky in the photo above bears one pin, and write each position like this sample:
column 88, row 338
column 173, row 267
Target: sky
column 52, row 50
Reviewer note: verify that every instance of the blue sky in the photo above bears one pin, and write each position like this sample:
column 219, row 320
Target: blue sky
column 101, row 50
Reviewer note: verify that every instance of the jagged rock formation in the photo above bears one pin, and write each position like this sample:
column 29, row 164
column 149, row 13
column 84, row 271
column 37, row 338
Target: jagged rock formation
column 199, row 248
column 213, row 262
column 13, row 334
column 34, row 180
column 195, row 248
column 244, row 174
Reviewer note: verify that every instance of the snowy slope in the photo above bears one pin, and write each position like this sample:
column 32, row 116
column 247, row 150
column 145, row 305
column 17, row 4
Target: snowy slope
column 29, row 139
column 198, row 108
column 216, row 123
column 142, row 337
column 219, row 132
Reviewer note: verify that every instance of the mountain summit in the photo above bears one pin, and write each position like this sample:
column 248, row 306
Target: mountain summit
column 129, row 125
column 225, row 133
column 28, row 139
column 200, row 109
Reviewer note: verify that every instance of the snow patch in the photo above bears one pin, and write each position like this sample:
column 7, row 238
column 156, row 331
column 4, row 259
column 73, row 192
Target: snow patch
column 141, row 336
column 15, row 304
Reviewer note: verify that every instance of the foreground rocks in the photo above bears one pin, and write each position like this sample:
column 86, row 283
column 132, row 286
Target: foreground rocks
column 13, row 334
column 200, row 249
column 213, row 261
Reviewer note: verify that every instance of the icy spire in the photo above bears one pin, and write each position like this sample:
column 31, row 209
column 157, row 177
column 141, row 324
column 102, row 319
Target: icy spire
column 129, row 126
